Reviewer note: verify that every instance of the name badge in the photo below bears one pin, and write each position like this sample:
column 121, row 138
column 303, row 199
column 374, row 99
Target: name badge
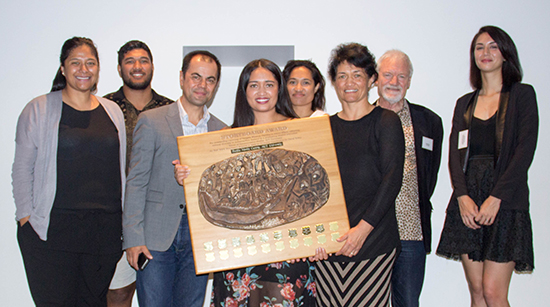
column 427, row 143
column 463, row 139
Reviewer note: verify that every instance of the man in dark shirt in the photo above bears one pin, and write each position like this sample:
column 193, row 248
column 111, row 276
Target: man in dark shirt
column 135, row 67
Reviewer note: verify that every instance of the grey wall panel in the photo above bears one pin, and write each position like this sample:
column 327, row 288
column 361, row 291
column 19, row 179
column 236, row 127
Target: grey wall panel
column 239, row 56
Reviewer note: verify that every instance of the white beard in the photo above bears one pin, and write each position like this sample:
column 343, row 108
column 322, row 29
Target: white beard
column 392, row 99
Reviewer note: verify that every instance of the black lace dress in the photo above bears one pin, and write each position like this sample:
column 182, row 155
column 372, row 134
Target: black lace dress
column 509, row 238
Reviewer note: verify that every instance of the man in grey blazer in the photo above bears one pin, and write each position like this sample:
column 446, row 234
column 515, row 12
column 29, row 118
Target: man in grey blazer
column 154, row 219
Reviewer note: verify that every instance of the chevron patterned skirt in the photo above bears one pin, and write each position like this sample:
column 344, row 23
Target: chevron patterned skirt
column 363, row 283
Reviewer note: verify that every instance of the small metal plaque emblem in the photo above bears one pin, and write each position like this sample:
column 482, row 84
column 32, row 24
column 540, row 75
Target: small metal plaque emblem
column 293, row 233
column 252, row 250
column 236, row 242
column 224, row 254
column 294, row 243
column 238, row 252
column 320, row 228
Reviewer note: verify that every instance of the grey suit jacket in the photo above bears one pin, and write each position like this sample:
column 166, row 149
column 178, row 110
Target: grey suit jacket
column 154, row 201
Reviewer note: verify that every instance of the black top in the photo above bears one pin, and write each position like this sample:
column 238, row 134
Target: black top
column 516, row 132
column 88, row 165
column 371, row 153
column 483, row 136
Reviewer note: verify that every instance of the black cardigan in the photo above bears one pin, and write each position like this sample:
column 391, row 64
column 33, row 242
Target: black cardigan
column 426, row 124
column 516, row 140
column 370, row 153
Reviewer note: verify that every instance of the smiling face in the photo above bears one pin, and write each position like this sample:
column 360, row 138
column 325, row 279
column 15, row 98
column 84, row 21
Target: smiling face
column 262, row 91
column 199, row 83
column 301, row 87
column 487, row 54
column 352, row 83
column 81, row 69
column 136, row 69
column 394, row 79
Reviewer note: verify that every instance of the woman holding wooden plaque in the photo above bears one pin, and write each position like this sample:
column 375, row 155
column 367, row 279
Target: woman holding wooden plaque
column 262, row 98
column 370, row 148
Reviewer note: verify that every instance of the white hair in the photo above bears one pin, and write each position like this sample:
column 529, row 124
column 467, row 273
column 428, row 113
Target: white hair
column 395, row 53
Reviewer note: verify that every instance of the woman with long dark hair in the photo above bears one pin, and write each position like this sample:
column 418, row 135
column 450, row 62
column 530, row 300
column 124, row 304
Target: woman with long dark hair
column 68, row 182
column 492, row 143
column 262, row 98
column 306, row 88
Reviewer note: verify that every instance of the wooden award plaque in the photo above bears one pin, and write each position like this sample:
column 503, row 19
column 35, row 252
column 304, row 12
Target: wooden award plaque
column 263, row 194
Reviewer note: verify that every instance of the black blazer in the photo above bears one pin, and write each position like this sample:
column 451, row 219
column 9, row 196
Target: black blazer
column 426, row 124
column 516, row 139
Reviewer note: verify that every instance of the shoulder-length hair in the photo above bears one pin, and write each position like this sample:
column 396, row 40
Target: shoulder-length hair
column 511, row 68
column 244, row 116
column 59, row 82
column 319, row 97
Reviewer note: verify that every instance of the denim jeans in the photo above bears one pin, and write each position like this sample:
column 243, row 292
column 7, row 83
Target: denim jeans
column 408, row 274
column 169, row 279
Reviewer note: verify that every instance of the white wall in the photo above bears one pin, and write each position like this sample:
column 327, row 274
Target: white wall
column 436, row 35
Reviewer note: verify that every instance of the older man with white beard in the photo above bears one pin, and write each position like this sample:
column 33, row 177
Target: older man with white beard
column 423, row 136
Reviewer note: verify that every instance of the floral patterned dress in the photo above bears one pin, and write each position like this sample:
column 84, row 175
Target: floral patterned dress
column 274, row 285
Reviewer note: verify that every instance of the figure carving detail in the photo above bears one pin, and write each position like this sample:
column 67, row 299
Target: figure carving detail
column 262, row 189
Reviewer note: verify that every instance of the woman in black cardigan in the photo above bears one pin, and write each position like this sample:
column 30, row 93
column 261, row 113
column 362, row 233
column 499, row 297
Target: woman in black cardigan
column 370, row 148
column 492, row 144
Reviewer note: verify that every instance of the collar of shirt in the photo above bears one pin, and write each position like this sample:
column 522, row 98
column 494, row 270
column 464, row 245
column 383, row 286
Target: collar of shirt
column 405, row 110
column 124, row 103
column 188, row 127
column 400, row 113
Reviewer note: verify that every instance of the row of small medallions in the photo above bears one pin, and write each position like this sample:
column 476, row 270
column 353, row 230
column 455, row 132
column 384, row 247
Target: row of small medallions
column 223, row 248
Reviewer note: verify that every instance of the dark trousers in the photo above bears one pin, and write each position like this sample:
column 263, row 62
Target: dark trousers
column 408, row 274
column 169, row 279
column 61, row 278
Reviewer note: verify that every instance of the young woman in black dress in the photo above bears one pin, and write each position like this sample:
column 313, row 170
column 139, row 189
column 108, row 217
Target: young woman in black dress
column 492, row 144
